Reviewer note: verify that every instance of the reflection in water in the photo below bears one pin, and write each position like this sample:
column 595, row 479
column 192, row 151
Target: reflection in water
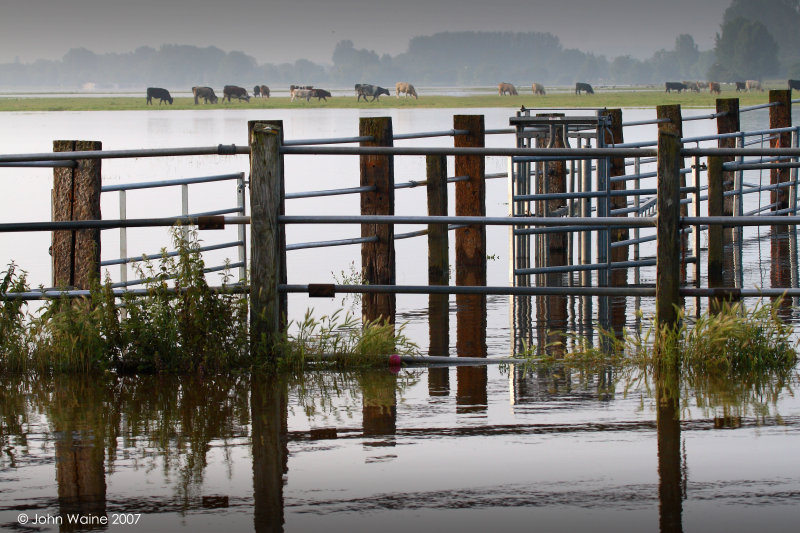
column 670, row 488
column 269, row 405
column 379, row 410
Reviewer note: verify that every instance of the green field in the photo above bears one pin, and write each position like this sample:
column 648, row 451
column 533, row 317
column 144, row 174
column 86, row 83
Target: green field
column 602, row 98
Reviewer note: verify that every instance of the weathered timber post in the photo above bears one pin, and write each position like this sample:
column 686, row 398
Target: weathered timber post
column 377, row 258
column 716, row 187
column 675, row 125
column 668, row 251
column 438, row 256
column 780, row 116
column 616, row 167
column 728, row 123
column 471, row 240
column 267, row 249
column 76, row 196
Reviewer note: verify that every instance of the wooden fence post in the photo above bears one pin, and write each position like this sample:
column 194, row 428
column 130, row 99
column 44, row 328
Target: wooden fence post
column 76, row 196
column 619, row 277
column 438, row 256
column 728, row 123
column 668, row 250
column 377, row 258
column 266, row 236
column 780, row 116
column 471, row 240
column 716, row 187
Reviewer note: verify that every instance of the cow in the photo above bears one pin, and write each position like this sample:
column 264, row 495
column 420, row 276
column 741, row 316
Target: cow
column 753, row 85
column 740, row 86
column 320, row 94
column 256, row 91
column 304, row 87
column 714, row 88
column 704, row 85
column 538, row 88
column 206, row 93
column 794, row 84
column 692, row 86
column 156, row 92
column 585, row 87
column 236, row 92
column 301, row 93
column 365, row 89
column 406, row 88
column 264, row 91
column 506, row 88
column 674, row 86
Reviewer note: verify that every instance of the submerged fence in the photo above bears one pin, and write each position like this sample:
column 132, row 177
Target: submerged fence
column 562, row 200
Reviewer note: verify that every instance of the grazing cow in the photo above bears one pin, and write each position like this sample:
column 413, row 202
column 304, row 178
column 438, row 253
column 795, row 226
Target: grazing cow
column 674, row 86
column 256, row 91
column 538, row 88
column 703, row 84
column 304, row 87
column 236, row 92
column 365, row 89
column 301, row 93
column 753, row 85
column 794, row 84
column 506, row 88
column 320, row 94
column 406, row 88
column 740, row 86
column 585, row 87
column 714, row 88
column 692, row 86
column 206, row 93
column 162, row 95
column 264, row 91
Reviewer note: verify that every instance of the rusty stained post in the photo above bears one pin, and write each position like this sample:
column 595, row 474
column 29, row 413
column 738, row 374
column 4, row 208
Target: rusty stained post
column 471, row 240
column 616, row 167
column 728, row 123
column 267, row 236
column 76, row 196
column 780, row 116
column 438, row 274
column 668, row 250
column 377, row 258
column 716, row 245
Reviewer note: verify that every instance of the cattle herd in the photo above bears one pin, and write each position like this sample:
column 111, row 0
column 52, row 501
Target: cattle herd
column 370, row 92
column 307, row 92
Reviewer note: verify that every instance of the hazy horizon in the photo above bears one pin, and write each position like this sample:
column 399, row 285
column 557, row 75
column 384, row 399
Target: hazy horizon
column 281, row 31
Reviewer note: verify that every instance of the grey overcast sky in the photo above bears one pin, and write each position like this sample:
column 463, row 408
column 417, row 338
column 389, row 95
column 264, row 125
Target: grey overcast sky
column 276, row 31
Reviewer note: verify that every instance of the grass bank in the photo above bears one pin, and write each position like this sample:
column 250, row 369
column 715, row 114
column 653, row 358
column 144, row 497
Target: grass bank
column 602, row 98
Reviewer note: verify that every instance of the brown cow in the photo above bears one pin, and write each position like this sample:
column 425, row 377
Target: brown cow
column 507, row 88
column 753, row 85
column 714, row 88
column 264, row 91
column 538, row 88
column 406, row 88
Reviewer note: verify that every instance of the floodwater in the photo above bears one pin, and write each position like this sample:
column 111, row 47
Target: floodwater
column 467, row 448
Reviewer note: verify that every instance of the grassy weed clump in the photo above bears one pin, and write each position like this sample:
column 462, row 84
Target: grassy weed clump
column 13, row 337
column 341, row 340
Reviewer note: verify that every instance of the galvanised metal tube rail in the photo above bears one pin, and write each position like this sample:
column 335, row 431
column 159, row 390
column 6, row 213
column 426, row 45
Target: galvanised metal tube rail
column 13, row 227
column 761, row 209
column 444, row 133
column 488, row 290
column 759, row 166
column 329, row 192
column 334, row 140
column 325, row 244
column 126, row 260
column 630, row 242
column 41, row 164
column 760, row 106
column 640, row 222
column 762, row 188
column 764, row 220
column 172, row 276
column 565, row 269
column 645, row 122
column 500, row 131
column 169, row 183
column 51, row 294
column 574, row 153
column 217, row 212
column 222, row 149
column 705, row 117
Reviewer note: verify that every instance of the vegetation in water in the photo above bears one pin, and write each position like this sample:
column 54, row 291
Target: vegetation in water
column 178, row 324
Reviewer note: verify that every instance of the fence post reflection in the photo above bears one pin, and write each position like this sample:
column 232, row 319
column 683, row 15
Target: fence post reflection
column 269, row 416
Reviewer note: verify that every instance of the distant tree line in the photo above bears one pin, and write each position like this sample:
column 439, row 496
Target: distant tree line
column 745, row 48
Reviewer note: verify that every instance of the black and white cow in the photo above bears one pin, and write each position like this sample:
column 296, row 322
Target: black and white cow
column 365, row 89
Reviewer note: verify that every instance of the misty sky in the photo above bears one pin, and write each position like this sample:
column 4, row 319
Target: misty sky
column 275, row 31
